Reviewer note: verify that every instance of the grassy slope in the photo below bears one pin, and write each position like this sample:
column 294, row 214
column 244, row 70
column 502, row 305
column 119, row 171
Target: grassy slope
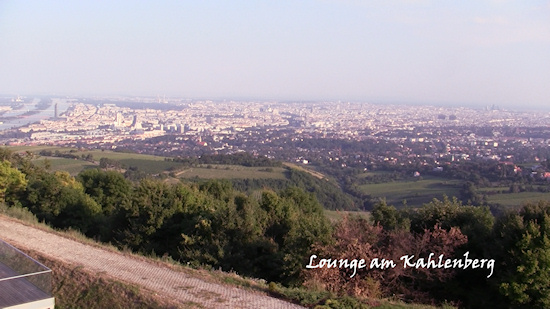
column 74, row 287
column 222, row 171
column 62, row 164
column 518, row 199
column 149, row 164
column 418, row 192
column 96, row 153
column 304, row 169
column 505, row 198
column 415, row 192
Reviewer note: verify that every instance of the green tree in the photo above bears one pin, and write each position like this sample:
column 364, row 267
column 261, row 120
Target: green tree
column 523, row 248
column 473, row 221
column 152, row 203
column 307, row 225
column 12, row 181
column 219, row 189
column 6, row 154
column 388, row 217
column 60, row 200
column 110, row 190
column 470, row 195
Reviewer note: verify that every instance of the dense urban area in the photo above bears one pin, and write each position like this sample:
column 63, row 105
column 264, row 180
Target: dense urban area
column 434, row 135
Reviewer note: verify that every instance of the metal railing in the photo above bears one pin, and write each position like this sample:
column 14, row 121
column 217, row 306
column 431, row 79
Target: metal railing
column 19, row 272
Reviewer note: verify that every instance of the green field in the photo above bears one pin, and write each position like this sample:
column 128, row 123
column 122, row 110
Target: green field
column 493, row 189
column 148, row 164
column 374, row 173
column 61, row 164
column 504, row 198
column 120, row 155
column 517, row 199
column 419, row 192
column 221, row 171
column 415, row 191
column 97, row 154
column 151, row 166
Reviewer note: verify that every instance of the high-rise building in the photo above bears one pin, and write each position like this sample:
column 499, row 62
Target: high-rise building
column 118, row 120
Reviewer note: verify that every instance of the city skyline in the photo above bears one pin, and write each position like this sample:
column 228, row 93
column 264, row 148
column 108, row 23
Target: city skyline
column 444, row 53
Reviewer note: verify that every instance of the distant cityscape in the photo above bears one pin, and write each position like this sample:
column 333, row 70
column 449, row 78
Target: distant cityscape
column 190, row 127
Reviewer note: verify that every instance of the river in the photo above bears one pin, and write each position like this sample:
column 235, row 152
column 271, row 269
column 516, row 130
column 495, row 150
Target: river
column 20, row 120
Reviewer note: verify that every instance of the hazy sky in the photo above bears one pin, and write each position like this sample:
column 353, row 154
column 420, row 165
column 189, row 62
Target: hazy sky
column 436, row 52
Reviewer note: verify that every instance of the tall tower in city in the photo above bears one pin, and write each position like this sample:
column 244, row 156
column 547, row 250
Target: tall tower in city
column 118, row 120
column 55, row 115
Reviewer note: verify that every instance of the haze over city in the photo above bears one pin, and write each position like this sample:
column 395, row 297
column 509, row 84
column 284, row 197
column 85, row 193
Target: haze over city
column 422, row 52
